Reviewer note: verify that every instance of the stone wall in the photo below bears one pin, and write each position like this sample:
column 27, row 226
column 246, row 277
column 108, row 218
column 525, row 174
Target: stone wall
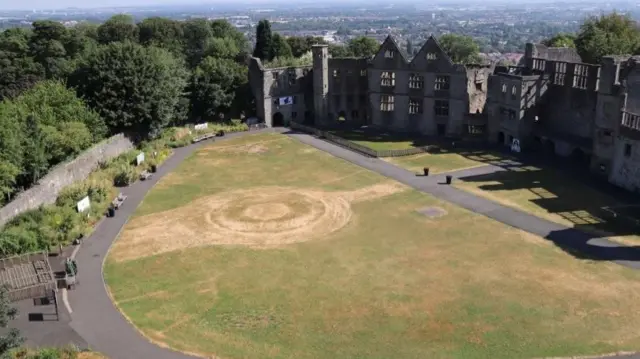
column 63, row 175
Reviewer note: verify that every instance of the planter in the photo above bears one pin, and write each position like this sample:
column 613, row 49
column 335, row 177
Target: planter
column 220, row 133
column 426, row 171
column 111, row 212
column 154, row 168
column 449, row 179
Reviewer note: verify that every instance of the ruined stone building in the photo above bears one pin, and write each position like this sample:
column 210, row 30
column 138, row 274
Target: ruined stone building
column 429, row 94
column 552, row 103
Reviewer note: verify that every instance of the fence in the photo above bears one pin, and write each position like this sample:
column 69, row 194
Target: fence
column 360, row 148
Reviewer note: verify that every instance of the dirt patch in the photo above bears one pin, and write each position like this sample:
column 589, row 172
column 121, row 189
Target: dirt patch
column 260, row 217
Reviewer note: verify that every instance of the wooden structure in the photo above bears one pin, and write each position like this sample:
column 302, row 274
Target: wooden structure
column 27, row 276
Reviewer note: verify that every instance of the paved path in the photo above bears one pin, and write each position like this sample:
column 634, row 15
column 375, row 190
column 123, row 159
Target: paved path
column 94, row 315
column 105, row 329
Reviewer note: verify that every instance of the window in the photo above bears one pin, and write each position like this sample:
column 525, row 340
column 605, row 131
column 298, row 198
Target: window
column 354, row 114
column 294, row 100
column 274, row 75
column 386, row 103
column 389, row 54
column 363, row 73
column 513, row 92
column 479, row 86
column 580, row 75
column 504, row 88
column 441, row 108
column 559, row 73
column 388, row 79
column 627, row 150
column 431, row 56
column 294, row 115
column 442, row 83
column 416, row 81
column 415, row 106
column 335, row 74
column 512, row 115
column 475, row 129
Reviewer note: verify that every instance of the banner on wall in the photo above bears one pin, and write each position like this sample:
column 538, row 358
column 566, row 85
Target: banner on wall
column 83, row 204
column 287, row 100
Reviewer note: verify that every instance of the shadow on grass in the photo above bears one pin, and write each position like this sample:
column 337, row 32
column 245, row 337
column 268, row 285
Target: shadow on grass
column 570, row 194
column 372, row 135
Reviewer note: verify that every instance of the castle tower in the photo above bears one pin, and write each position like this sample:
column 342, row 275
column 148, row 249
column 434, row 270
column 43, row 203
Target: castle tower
column 320, row 82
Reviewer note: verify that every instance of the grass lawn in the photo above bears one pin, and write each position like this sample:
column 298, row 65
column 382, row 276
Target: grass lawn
column 553, row 195
column 445, row 161
column 381, row 141
column 383, row 281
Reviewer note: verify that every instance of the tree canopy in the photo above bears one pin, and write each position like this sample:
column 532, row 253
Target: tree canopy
column 561, row 40
column 460, row 48
column 134, row 88
column 612, row 34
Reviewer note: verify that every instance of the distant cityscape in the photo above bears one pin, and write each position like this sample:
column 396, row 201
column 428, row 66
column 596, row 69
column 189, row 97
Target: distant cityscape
column 501, row 30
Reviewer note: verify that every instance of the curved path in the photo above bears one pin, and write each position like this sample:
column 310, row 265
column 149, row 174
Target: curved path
column 100, row 323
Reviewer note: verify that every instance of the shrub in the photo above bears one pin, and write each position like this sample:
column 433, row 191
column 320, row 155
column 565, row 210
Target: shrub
column 124, row 176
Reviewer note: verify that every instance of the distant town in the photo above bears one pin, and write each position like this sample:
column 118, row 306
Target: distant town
column 501, row 30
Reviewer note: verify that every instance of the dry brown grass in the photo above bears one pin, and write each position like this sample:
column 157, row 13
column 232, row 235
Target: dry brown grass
column 258, row 217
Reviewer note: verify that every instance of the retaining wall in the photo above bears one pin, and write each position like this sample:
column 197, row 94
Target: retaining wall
column 63, row 175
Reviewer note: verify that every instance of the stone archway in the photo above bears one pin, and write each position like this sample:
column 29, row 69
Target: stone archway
column 277, row 120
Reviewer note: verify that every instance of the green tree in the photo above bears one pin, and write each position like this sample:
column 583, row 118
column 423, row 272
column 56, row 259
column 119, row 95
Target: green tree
column 264, row 41
column 47, row 48
column 301, row 45
column 338, row 51
column 460, row 48
column 222, row 48
column 197, row 34
column 12, row 339
column 8, row 174
column 612, row 34
column 223, row 29
column 561, row 40
column 363, row 46
column 280, row 48
column 118, row 28
column 132, row 87
column 162, row 32
column 214, row 86
column 35, row 151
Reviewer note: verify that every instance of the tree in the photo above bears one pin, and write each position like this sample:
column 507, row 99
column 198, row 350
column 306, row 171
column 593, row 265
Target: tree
column 280, row 48
column 35, row 152
column 12, row 339
column 223, row 29
column 8, row 174
column 222, row 48
column 197, row 33
column 363, row 46
column 338, row 51
column 162, row 32
column 264, row 41
column 460, row 48
column 214, row 86
column 118, row 28
column 132, row 87
column 613, row 34
column 47, row 48
column 561, row 40
column 301, row 45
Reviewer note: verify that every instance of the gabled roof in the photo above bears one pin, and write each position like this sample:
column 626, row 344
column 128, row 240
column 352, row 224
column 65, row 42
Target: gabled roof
column 433, row 45
column 390, row 44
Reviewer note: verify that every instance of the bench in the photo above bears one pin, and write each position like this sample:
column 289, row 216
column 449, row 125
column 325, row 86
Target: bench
column 203, row 137
column 145, row 175
column 117, row 202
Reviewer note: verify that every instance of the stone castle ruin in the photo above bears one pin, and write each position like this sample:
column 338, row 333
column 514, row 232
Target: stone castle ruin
column 553, row 102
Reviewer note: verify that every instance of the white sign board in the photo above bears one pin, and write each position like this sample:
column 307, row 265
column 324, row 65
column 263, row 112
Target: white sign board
column 202, row 126
column 84, row 204
column 139, row 158
column 515, row 146
column 287, row 100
